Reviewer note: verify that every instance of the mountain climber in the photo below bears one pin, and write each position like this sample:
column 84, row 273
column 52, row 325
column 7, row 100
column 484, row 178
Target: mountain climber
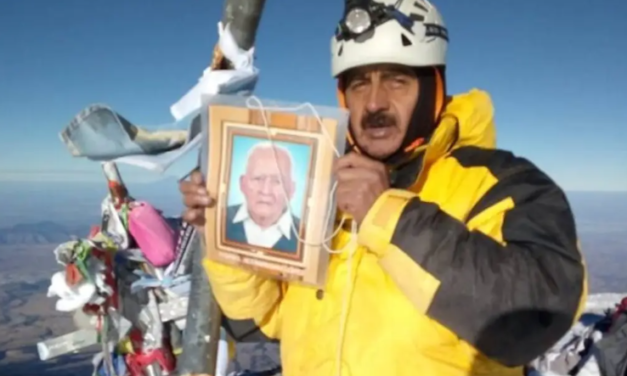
column 467, row 260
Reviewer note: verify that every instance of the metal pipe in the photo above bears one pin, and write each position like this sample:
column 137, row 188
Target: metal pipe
column 202, row 328
column 244, row 16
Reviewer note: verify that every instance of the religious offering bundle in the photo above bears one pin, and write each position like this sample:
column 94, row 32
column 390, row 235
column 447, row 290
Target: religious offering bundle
column 269, row 165
column 126, row 285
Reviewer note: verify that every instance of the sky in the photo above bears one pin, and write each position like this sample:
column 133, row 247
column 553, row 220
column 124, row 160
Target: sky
column 556, row 71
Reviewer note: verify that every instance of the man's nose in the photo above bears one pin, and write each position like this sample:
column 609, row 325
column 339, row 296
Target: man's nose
column 266, row 186
column 378, row 98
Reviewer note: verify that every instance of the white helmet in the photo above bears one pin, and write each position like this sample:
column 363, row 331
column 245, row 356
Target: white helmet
column 406, row 32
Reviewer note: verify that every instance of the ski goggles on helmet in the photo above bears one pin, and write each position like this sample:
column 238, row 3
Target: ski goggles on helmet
column 362, row 16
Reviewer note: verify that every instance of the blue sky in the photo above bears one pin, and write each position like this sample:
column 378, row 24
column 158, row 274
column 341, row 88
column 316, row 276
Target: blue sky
column 556, row 71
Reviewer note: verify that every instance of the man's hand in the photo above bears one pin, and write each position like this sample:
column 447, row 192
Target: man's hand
column 360, row 181
column 196, row 199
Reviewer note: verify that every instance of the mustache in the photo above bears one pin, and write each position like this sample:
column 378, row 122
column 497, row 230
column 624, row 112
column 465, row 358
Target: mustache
column 379, row 119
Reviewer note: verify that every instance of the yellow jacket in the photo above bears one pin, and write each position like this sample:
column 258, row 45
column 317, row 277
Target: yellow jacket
column 473, row 269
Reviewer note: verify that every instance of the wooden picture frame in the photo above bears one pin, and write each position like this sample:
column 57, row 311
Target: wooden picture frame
column 298, row 255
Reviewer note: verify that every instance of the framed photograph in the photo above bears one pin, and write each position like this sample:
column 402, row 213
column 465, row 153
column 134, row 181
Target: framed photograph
column 272, row 177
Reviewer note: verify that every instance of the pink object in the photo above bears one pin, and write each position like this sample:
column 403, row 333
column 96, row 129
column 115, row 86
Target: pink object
column 94, row 231
column 153, row 235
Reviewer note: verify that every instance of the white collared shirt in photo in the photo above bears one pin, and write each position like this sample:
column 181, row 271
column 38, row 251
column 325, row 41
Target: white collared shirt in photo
column 261, row 237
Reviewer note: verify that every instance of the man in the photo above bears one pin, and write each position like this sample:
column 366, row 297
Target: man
column 265, row 219
column 467, row 260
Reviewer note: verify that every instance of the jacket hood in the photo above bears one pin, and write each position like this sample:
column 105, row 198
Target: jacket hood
column 467, row 120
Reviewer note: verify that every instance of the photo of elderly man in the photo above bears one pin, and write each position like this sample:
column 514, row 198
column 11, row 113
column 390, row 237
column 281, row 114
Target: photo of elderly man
column 265, row 217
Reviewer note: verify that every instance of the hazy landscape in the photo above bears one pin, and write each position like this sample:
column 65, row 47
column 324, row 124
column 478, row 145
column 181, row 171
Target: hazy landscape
column 34, row 218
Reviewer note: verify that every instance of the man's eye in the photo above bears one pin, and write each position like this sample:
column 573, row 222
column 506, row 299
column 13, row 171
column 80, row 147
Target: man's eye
column 356, row 84
column 398, row 81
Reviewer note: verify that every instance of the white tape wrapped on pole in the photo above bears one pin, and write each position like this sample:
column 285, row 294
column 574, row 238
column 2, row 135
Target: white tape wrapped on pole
column 225, row 81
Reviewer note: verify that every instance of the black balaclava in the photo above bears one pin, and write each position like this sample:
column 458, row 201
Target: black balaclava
column 423, row 121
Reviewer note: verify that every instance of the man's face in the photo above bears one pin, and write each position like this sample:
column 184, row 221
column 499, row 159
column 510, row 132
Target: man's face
column 261, row 184
column 381, row 100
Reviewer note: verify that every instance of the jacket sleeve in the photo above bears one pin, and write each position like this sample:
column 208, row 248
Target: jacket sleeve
column 249, row 302
column 510, row 280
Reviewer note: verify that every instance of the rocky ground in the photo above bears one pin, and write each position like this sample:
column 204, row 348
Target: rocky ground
column 27, row 316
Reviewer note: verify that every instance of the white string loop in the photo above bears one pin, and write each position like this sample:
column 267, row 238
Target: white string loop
column 260, row 107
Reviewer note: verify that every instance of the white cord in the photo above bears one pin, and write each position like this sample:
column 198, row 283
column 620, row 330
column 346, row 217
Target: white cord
column 330, row 206
column 351, row 246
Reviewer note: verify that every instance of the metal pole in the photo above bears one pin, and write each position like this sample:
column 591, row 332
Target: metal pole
column 117, row 189
column 202, row 329
column 244, row 16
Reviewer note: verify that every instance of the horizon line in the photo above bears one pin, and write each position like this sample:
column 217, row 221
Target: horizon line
column 167, row 177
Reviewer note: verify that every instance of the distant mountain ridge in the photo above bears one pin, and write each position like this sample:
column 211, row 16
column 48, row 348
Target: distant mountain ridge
column 42, row 232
